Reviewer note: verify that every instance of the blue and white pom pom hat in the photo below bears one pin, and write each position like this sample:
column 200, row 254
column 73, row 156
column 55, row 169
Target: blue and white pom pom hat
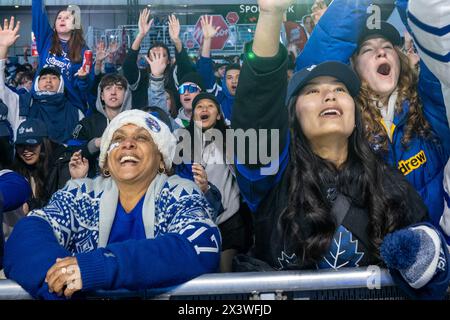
column 159, row 131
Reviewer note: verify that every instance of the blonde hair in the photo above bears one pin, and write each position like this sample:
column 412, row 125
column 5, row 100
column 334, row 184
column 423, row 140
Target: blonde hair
column 416, row 124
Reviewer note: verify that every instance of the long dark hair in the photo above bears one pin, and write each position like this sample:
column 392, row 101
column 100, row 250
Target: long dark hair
column 76, row 43
column 39, row 171
column 306, row 221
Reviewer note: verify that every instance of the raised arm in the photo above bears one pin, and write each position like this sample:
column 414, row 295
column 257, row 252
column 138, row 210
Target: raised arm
column 205, row 64
column 260, row 105
column 184, row 64
column 40, row 24
column 8, row 36
column 336, row 35
column 174, row 32
column 144, row 27
column 209, row 31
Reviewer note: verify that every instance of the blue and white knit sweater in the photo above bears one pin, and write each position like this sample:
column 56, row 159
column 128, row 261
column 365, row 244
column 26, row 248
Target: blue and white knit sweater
column 182, row 240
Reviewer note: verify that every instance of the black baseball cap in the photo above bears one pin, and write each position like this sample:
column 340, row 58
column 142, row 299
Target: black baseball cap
column 205, row 95
column 31, row 131
column 334, row 69
column 50, row 70
column 386, row 30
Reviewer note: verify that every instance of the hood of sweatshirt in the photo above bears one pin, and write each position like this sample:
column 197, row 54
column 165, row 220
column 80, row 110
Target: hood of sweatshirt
column 39, row 92
column 126, row 104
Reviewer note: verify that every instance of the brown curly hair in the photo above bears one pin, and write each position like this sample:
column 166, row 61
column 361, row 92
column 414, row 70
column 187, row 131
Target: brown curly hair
column 416, row 124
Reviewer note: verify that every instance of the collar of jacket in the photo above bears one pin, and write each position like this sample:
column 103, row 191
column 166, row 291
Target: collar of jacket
column 108, row 207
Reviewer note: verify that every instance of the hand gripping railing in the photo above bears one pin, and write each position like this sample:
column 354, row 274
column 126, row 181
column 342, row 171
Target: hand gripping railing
column 368, row 283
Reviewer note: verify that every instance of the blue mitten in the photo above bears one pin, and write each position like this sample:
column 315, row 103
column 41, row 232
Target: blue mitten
column 417, row 253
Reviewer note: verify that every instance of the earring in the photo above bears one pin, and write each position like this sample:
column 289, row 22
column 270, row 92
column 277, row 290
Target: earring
column 162, row 170
column 106, row 173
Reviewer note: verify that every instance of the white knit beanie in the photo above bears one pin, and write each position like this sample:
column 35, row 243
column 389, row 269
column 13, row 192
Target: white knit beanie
column 159, row 131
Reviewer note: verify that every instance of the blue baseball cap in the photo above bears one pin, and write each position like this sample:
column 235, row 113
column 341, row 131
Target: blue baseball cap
column 334, row 69
column 31, row 131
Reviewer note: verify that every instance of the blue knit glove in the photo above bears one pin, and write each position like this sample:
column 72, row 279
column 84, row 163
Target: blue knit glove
column 416, row 252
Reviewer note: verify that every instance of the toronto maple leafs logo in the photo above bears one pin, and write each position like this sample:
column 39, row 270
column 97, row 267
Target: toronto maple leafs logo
column 343, row 251
column 152, row 124
column 285, row 260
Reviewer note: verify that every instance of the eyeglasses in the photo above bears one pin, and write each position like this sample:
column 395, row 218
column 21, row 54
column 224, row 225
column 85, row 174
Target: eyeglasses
column 191, row 88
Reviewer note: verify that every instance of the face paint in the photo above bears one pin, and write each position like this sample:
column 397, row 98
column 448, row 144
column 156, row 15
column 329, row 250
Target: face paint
column 113, row 146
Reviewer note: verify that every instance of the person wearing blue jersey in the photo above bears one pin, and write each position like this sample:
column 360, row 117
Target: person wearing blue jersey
column 331, row 203
column 62, row 46
column 47, row 101
column 404, row 112
column 134, row 227
column 428, row 23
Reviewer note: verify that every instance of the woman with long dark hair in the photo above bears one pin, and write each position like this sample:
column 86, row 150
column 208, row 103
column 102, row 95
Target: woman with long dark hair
column 331, row 202
column 40, row 160
column 63, row 46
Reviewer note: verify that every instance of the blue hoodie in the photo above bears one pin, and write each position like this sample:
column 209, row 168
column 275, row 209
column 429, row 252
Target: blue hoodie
column 77, row 89
column 55, row 110
column 206, row 70
column 335, row 37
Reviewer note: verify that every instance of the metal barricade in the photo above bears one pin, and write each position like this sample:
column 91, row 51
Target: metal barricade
column 345, row 284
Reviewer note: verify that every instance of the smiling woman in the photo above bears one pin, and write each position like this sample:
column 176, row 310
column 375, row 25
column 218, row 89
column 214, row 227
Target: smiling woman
column 333, row 203
column 136, row 227
column 39, row 160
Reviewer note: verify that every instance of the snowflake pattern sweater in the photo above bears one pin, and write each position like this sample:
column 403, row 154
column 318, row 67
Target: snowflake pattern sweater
column 182, row 240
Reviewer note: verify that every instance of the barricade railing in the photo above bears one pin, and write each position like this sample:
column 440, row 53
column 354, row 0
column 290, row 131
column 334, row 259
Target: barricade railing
column 345, row 284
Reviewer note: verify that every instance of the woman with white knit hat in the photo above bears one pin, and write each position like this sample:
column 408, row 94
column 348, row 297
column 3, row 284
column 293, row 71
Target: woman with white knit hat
column 134, row 227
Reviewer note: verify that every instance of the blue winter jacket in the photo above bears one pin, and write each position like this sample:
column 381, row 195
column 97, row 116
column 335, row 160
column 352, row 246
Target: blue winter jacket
column 56, row 111
column 77, row 89
column 422, row 163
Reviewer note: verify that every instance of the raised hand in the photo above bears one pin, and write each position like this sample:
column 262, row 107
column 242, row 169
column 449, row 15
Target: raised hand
column 157, row 62
column 174, row 28
column 144, row 23
column 209, row 31
column 78, row 166
column 100, row 51
column 8, row 36
column 274, row 5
